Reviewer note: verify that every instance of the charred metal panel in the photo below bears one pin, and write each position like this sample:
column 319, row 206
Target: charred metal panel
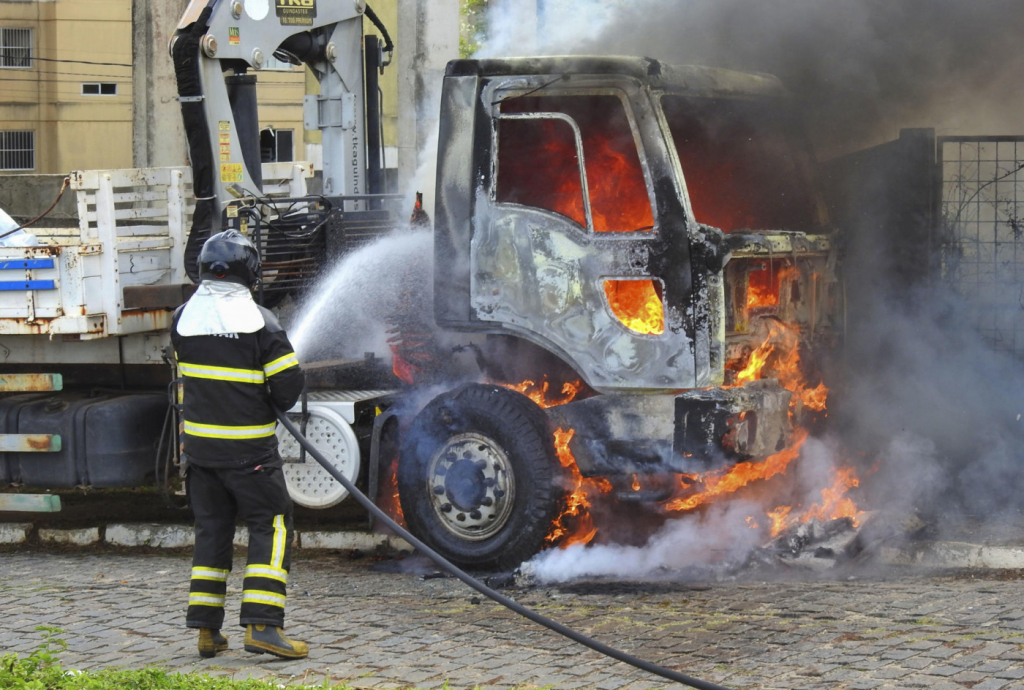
column 720, row 424
column 800, row 272
column 693, row 79
column 620, row 434
column 692, row 432
column 536, row 275
column 454, row 200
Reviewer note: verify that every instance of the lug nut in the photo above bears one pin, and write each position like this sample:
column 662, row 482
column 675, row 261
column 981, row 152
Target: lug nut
column 488, row 482
column 446, row 508
column 439, row 490
column 498, row 493
column 487, row 501
column 474, row 514
column 461, row 517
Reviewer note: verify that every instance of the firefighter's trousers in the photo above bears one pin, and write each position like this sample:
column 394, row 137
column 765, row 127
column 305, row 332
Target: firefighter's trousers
column 260, row 498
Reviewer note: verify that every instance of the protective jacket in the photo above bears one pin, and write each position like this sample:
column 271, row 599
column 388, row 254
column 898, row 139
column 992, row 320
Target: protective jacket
column 233, row 380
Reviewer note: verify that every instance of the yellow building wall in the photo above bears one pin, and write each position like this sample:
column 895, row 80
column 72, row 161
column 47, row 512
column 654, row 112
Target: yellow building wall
column 72, row 130
column 75, row 131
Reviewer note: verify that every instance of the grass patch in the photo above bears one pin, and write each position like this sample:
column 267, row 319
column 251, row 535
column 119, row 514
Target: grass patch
column 41, row 670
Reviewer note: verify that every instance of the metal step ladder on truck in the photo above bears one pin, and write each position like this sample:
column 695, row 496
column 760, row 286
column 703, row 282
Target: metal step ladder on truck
column 623, row 230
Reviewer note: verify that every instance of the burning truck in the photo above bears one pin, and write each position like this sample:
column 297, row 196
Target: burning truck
column 635, row 253
column 644, row 249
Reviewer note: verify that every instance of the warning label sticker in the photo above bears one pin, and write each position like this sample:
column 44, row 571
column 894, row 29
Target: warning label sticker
column 225, row 146
column 296, row 12
column 234, row 38
column 224, row 125
column 230, row 172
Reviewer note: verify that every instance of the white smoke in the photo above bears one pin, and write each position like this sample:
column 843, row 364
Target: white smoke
column 721, row 533
column 519, row 27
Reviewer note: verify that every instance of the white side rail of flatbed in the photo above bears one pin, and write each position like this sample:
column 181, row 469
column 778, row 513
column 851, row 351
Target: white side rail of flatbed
column 133, row 224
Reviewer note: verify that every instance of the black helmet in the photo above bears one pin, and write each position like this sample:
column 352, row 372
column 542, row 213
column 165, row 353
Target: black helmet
column 231, row 257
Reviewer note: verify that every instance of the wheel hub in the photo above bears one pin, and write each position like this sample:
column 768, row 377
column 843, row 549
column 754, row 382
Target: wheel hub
column 471, row 486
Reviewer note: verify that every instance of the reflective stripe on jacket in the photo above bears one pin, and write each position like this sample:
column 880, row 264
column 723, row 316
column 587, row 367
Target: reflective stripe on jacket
column 232, row 383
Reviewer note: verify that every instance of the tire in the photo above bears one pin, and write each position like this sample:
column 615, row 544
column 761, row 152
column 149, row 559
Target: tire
column 478, row 477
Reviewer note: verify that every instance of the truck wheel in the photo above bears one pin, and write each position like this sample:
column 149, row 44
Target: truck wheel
column 478, row 478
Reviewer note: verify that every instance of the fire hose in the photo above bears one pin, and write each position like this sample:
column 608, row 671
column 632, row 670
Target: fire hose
column 484, row 589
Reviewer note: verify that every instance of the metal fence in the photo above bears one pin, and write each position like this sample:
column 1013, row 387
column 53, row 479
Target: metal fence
column 982, row 215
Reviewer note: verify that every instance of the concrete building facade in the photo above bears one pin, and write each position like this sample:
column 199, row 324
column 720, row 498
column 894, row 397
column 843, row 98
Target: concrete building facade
column 59, row 108
column 89, row 84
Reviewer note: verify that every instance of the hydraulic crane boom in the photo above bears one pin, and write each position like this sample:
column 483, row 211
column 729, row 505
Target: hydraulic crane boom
column 218, row 50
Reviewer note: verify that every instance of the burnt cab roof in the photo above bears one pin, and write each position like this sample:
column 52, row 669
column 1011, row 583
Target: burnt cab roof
column 677, row 78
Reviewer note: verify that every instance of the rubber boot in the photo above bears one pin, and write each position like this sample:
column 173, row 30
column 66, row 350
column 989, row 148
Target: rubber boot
column 211, row 642
column 266, row 639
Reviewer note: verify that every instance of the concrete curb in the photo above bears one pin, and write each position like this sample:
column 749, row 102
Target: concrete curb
column 14, row 532
column 71, row 537
column 163, row 536
column 939, row 554
column 953, row 554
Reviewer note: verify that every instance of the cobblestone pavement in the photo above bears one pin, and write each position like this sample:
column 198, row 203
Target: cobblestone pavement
column 376, row 629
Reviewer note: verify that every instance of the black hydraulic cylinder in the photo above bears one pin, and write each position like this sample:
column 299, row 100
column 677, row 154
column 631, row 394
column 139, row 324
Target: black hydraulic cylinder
column 242, row 97
column 374, row 145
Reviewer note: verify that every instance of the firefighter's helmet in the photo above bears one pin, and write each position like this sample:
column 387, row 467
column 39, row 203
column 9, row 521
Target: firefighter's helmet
column 230, row 256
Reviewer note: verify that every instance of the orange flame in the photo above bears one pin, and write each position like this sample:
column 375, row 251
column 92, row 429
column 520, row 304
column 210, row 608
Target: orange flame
column 764, row 286
column 815, row 398
column 578, row 502
column 758, row 358
column 539, row 393
column 778, row 357
column 573, row 525
column 387, row 495
column 724, row 482
column 532, row 165
column 779, row 518
column 637, row 305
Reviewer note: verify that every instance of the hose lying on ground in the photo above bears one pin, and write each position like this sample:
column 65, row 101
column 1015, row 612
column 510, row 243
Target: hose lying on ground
column 484, row 589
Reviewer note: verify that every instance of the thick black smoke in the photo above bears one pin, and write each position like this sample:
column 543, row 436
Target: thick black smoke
column 861, row 69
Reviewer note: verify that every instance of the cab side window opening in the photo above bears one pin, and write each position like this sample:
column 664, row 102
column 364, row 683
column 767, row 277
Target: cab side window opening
column 538, row 164
column 741, row 169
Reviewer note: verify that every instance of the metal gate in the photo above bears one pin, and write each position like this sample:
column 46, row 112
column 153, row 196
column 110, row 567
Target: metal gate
column 982, row 232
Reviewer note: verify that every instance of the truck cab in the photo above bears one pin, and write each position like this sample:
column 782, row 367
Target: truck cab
column 643, row 229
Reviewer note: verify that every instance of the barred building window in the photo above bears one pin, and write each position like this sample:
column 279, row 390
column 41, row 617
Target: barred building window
column 15, row 48
column 100, row 89
column 17, row 150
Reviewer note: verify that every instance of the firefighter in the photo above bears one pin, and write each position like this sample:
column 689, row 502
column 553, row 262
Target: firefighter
column 236, row 365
